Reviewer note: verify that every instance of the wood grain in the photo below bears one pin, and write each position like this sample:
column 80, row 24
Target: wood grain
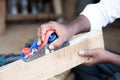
column 53, row 64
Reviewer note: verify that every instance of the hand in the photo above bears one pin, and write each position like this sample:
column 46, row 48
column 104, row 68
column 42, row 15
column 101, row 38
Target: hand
column 63, row 32
column 96, row 56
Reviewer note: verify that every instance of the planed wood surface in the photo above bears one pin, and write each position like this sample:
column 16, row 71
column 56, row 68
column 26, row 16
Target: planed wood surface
column 53, row 64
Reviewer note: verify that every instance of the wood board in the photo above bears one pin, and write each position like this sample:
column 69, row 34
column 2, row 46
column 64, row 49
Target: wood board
column 50, row 65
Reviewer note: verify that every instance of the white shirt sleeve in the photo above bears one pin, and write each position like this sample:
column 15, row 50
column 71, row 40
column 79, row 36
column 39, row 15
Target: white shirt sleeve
column 102, row 13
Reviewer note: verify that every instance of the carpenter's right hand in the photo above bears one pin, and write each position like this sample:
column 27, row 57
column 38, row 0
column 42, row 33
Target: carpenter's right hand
column 63, row 32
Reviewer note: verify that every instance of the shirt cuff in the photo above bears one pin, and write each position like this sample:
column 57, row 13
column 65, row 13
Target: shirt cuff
column 93, row 16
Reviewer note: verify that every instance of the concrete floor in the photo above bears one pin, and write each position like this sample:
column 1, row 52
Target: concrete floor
column 18, row 34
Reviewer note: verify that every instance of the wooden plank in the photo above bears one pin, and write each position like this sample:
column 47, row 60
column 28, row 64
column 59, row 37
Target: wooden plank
column 2, row 17
column 52, row 64
column 61, row 76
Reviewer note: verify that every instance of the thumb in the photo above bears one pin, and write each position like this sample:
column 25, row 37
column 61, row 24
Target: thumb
column 57, row 43
column 86, row 53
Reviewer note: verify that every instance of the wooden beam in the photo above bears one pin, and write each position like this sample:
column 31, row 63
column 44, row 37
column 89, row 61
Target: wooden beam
column 2, row 16
column 50, row 65
column 62, row 76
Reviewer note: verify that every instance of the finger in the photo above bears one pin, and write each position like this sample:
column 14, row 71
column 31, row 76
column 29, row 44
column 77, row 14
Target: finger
column 86, row 53
column 57, row 43
column 44, row 28
column 90, row 62
column 39, row 39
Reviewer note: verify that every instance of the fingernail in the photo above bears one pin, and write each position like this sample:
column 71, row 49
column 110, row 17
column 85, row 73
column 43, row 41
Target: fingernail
column 81, row 52
column 39, row 42
column 51, row 46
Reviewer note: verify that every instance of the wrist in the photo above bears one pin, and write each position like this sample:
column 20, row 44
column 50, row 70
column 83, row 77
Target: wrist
column 81, row 24
column 71, row 30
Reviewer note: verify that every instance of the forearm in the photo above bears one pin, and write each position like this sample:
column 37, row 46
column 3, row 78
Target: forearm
column 114, row 59
column 80, row 24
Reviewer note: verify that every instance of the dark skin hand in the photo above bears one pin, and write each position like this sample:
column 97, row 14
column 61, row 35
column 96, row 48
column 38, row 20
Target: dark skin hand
column 99, row 55
column 65, row 32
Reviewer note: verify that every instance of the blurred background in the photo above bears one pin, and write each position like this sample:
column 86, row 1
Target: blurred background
column 20, row 19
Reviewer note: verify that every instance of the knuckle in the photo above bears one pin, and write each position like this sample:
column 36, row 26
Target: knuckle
column 53, row 22
column 42, row 26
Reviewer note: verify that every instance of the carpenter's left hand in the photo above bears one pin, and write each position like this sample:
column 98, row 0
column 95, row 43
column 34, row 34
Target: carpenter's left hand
column 96, row 56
